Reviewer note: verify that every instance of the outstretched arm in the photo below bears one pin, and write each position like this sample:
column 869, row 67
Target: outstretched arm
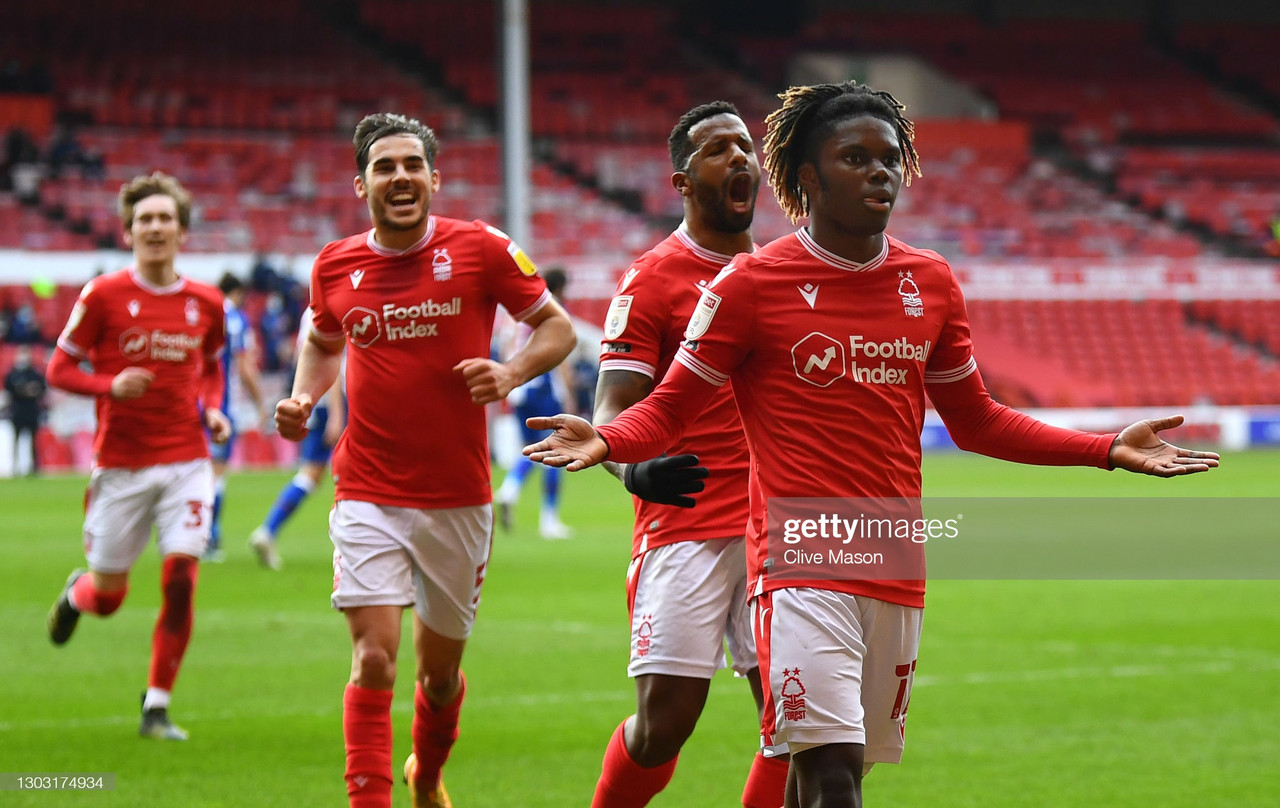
column 643, row 431
column 978, row 424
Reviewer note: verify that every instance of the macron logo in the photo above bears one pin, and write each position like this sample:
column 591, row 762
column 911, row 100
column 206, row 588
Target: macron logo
column 356, row 277
column 810, row 294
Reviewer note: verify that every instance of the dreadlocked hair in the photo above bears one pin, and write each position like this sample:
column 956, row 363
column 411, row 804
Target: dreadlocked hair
column 806, row 117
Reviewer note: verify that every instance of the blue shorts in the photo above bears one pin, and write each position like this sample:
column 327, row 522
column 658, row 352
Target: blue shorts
column 221, row 452
column 539, row 401
column 313, row 448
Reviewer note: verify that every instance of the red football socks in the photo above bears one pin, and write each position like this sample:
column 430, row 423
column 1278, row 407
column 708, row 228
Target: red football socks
column 366, row 729
column 623, row 782
column 434, row 731
column 766, row 784
column 88, row 600
column 173, row 628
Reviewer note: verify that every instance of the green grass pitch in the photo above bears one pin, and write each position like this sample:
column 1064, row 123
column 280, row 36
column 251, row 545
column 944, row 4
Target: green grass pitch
column 1029, row 693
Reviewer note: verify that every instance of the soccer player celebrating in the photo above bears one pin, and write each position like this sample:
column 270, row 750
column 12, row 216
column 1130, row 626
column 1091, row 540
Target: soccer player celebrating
column 687, row 584
column 818, row 424
column 413, row 300
column 153, row 338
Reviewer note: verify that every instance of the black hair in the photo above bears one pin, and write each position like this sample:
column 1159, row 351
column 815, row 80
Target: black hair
column 229, row 283
column 807, row 115
column 373, row 128
column 555, row 278
column 678, row 142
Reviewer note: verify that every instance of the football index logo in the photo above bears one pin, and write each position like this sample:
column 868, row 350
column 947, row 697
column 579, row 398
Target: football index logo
column 818, row 359
column 363, row 326
column 134, row 344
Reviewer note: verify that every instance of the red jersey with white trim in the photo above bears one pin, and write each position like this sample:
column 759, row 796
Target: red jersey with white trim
column 829, row 361
column 642, row 333
column 122, row 320
column 414, row 439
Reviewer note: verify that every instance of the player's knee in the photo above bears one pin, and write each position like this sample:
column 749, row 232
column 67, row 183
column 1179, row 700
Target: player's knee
column 373, row 666
column 441, row 686
column 659, row 738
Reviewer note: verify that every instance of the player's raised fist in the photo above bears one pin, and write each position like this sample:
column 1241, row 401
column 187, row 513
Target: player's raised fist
column 291, row 417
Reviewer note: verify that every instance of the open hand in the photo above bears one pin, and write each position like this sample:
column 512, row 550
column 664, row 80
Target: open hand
column 1140, row 449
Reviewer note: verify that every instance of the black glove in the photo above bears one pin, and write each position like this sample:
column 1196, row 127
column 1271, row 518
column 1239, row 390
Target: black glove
column 666, row 480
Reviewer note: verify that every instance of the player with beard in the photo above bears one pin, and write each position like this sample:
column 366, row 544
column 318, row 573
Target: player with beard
column 686, row 588
column 413, row 302
column 839, row 651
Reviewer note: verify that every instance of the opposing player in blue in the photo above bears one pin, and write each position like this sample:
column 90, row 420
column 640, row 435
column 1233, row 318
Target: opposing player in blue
column 240, row 367
column 328, row 419
column 543, row 395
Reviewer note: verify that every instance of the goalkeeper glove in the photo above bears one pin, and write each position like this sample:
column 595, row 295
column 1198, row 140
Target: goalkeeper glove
column 666, row 480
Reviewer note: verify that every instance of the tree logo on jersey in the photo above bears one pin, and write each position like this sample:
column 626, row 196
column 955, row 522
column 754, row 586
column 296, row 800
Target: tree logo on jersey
column 644, row 635
column 441, row 264
column 793, row 707
column 911, row 302
column 818, row 359
column 135, row 344
column 708, row 305
column 363, row 326
column 192, row 311
column 615, row 321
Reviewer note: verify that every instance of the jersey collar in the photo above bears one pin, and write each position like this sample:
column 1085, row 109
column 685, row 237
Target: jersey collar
column 413, row 248
column 719, row 259
column 827, row 257
column 171, row 289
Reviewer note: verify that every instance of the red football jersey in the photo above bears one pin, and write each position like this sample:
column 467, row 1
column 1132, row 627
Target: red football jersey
column 642, row 332
column 829, row 361
column 414, row 439
column 121, row 320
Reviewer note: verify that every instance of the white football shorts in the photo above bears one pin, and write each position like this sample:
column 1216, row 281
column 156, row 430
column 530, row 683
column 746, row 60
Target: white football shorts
column 123, row 504
column 687, row 601
column 432, row 559
column 839, row 670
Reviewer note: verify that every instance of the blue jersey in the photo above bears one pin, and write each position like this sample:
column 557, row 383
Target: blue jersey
column 239, row 341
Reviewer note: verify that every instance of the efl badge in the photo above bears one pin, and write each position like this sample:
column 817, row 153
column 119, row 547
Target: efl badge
column 708, row 304
column 615, row 322
column 523, row 261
